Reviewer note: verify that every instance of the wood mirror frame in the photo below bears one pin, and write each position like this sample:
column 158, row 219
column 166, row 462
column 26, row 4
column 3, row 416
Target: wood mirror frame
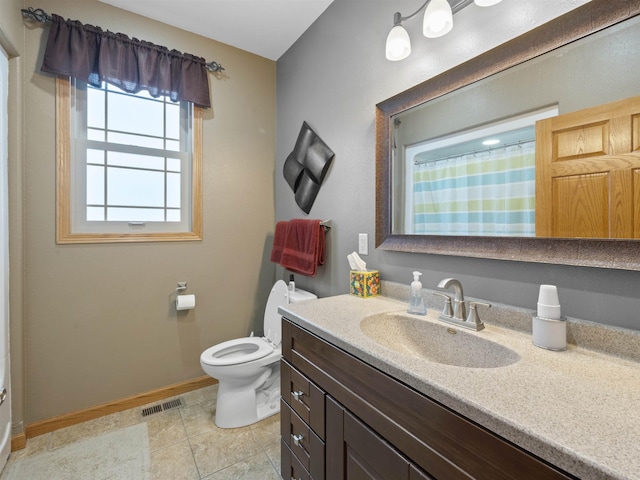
column 592, row 17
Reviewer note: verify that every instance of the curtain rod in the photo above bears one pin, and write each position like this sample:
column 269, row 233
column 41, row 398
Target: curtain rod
column 519, row 143
column 39, row 15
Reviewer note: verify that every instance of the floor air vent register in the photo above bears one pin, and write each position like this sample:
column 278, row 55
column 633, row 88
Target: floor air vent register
column 161, row 407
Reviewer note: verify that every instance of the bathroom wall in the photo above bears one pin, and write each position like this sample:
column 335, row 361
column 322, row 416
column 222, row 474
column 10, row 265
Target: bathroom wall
column 335, row 75
column 98, row 320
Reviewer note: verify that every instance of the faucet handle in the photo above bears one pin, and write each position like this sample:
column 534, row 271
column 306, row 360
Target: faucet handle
column 473, row 314
column 447, row 310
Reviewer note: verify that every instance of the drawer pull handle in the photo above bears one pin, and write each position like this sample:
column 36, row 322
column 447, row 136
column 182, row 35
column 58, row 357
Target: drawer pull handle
column 297, row 395
column 297, row 439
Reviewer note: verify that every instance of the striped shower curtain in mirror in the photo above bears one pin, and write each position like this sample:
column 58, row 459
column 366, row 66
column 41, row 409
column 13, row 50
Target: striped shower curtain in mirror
column 487, row 193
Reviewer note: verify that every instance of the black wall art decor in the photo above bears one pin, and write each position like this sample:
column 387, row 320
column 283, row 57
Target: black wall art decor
column 305, row 167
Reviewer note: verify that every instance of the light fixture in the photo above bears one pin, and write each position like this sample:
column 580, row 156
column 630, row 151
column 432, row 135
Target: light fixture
column 437, row 21
column 398, row 42
column 486, row 3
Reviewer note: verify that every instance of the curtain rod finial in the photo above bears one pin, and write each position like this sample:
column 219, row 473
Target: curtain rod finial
column 36, row 14
column 214, row 67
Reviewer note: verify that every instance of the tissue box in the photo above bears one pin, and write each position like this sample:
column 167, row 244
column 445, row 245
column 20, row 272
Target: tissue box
column 364, row 284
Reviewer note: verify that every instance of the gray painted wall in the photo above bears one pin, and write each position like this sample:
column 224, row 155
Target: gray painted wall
column 333, row 77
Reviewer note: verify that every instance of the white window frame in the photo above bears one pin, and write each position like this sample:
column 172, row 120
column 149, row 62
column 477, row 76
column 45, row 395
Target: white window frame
column 71, row 224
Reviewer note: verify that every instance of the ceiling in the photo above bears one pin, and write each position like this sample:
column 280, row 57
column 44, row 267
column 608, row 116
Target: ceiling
column 264, row 27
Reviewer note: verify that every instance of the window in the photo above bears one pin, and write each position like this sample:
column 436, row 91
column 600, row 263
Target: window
column 129, row 166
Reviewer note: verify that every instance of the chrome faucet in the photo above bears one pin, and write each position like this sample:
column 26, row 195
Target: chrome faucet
column 458, row 314
column 459, row 307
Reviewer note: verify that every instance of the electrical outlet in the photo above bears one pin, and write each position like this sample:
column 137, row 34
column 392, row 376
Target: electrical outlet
column 363, row 244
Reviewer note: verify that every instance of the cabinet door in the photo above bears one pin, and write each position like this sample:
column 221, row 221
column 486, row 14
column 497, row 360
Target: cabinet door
column 355, row 452
column 416, row 474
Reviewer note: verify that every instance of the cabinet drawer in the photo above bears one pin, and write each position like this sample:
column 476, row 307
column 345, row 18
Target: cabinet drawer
column 291, row 467
column 302, row 441
column 304, row 397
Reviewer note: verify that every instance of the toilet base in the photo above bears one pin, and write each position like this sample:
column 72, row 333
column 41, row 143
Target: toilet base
column 239, row 407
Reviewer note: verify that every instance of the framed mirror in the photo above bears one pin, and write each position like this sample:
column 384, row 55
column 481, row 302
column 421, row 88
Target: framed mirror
column 572, row 38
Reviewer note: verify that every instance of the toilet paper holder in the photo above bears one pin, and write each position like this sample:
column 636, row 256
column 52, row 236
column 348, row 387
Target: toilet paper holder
column 182, row 286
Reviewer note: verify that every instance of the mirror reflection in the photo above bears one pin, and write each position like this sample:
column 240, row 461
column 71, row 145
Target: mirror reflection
column 466, row 163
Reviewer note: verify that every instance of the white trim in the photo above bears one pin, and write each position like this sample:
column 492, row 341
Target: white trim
column 5, row 371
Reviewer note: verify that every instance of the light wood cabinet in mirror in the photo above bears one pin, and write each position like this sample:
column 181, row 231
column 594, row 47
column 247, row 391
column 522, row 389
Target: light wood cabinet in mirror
column 603, row 251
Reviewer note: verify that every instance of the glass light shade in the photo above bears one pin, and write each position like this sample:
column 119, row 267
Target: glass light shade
column 486, row 3
column 398, row 44
column 438, row 19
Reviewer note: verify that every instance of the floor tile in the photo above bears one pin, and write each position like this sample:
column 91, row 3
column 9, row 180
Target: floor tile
column 174, row 462
column 221, row 448
column 184, row 442
column 273, row 453
column 165, row 429
column 257, row 467
column 206, row 394
column 199, row 418
column 84, row 430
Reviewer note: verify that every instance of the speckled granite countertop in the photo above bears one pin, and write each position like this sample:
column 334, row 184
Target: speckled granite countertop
column 578, row 409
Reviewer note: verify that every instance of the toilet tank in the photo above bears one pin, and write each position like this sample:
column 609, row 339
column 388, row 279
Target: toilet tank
column 298, row 295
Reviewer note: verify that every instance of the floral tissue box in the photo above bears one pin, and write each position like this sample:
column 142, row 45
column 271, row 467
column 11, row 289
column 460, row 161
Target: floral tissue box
column 364, row 284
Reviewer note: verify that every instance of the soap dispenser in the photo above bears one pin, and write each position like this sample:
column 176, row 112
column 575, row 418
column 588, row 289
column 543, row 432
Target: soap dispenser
column 416, row 301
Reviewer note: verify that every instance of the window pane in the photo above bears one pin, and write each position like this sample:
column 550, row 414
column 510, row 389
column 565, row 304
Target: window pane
column 95, row 156
column 173, row 164
column 137, row 140
column 135, row 188
column 173, row 145
column 120, row 159
column 97, row 135
column 95, row 214
column 95, row 185
column 173, row 190
column 95, row 108
column 136, row 115
column 135, row 215
column 173, row 120
column 173, row 215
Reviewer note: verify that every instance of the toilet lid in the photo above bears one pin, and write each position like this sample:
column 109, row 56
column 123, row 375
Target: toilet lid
column 278, row 297
column 236, row 351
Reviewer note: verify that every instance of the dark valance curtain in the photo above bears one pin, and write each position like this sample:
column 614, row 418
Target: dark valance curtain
column 94, row 56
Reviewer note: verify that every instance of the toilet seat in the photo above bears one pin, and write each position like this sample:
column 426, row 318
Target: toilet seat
column 236, row 351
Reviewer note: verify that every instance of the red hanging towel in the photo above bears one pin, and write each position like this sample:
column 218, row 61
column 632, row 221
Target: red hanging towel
column 279, row 237
column 303, row 247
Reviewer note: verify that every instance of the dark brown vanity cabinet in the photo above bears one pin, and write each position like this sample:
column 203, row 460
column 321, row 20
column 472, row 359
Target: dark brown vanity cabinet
column 344, row 419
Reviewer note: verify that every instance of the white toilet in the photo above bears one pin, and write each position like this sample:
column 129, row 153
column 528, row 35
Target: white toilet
column 248, row 368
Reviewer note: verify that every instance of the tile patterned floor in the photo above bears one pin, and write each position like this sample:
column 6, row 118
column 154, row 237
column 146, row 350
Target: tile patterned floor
column 184, row 442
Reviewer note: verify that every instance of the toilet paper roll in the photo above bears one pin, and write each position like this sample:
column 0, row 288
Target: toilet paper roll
column 185, row 302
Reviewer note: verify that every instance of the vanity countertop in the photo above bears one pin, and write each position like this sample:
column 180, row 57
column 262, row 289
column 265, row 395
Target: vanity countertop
column 577, row 409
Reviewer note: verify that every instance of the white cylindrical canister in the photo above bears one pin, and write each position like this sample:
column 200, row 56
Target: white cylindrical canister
column 550, row 333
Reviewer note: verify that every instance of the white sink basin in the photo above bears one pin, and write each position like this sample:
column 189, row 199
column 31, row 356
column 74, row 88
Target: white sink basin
column 435, row 342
